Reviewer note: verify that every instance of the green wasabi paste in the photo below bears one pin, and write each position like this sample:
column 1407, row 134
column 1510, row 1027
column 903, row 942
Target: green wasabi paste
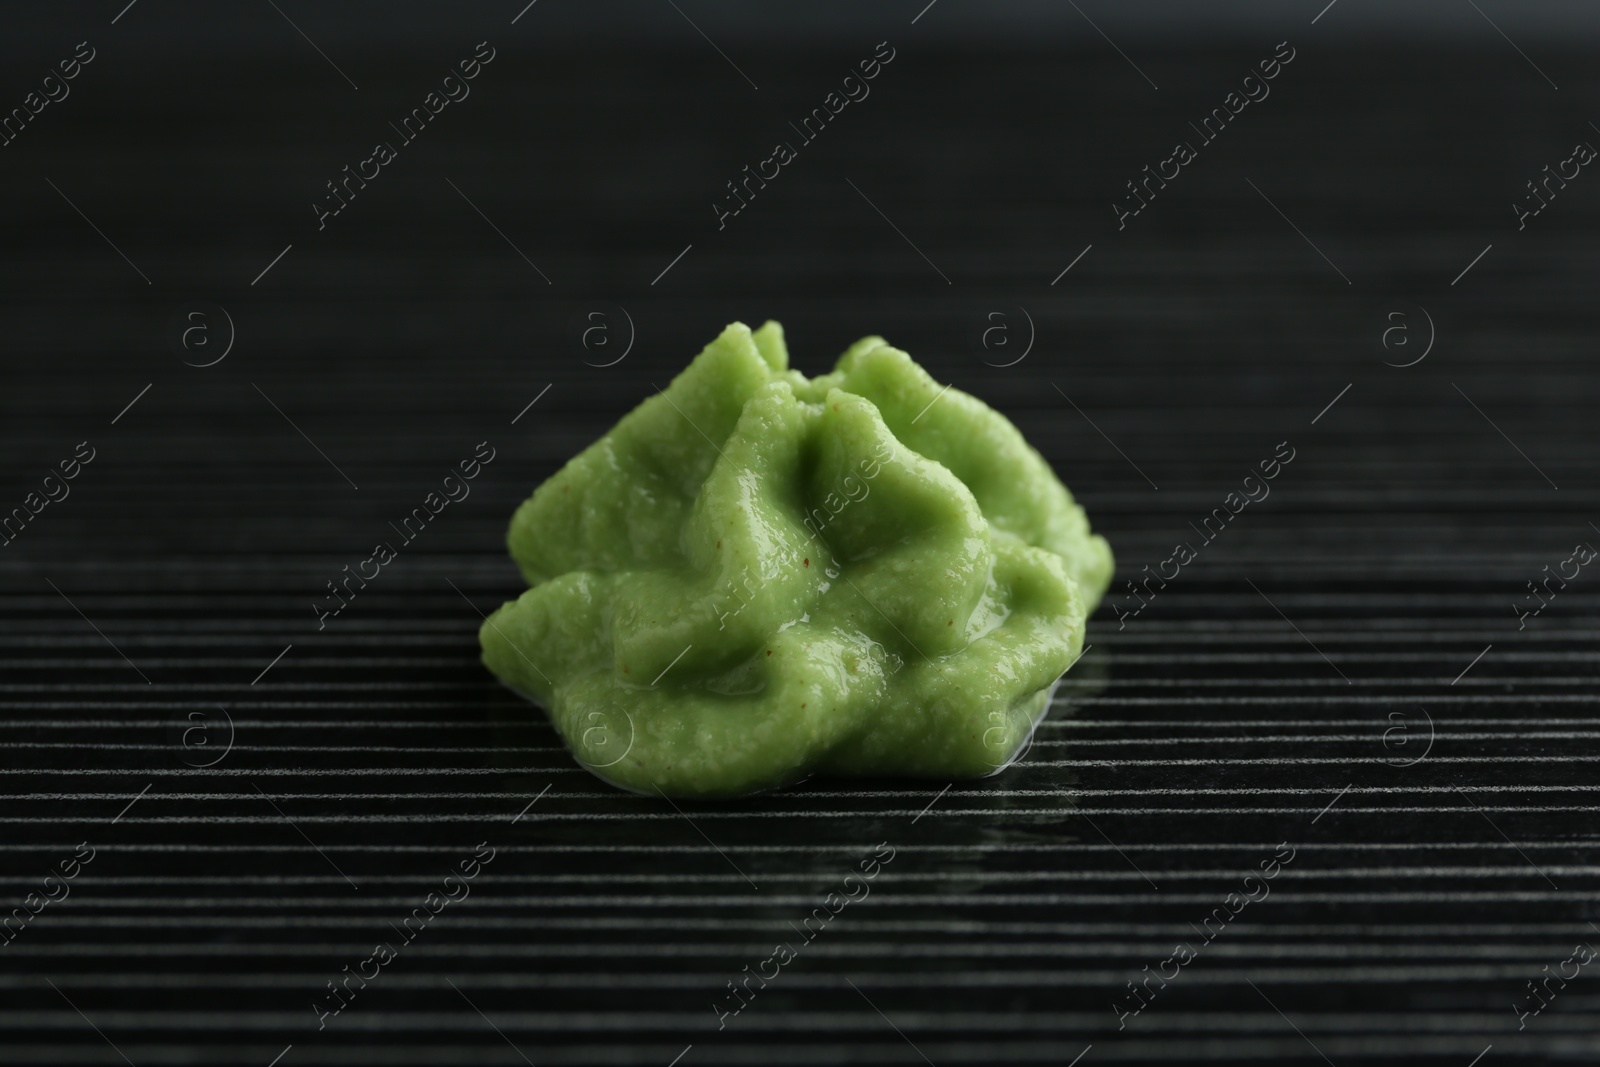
column 755, row 577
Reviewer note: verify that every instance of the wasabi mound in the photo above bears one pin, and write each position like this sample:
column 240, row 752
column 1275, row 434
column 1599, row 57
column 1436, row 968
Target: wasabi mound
column 755, row 577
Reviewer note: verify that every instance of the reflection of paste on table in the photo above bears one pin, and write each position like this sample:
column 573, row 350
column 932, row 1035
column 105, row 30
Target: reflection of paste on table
column 755, row 577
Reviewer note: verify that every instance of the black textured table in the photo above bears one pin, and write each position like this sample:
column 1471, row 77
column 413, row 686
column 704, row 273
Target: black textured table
column 1347, row 688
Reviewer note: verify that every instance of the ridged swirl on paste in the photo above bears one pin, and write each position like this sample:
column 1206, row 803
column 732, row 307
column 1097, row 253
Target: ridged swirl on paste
column 755, row 577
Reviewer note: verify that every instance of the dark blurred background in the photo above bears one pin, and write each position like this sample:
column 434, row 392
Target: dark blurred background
column 1354, row 639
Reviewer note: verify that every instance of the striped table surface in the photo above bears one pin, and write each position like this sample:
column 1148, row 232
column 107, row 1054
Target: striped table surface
column 1327, row 796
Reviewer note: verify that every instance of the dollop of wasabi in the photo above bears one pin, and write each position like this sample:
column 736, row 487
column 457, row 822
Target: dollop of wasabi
column 755, row 577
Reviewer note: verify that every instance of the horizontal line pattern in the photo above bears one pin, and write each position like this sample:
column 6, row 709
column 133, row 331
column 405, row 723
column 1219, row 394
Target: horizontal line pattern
column 1000, row 896
column 1443, row 825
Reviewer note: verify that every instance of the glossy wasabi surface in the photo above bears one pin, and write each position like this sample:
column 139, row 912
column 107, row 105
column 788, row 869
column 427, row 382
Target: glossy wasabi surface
column 755, row 576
